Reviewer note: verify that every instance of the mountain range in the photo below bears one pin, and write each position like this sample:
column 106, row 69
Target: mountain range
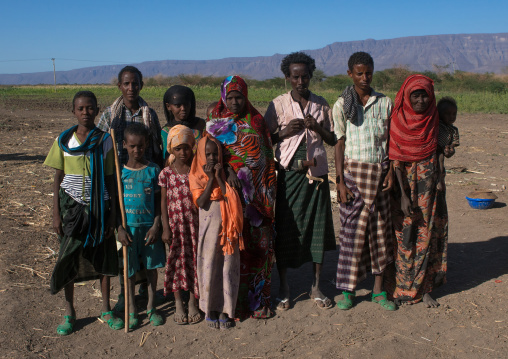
column 465, row 52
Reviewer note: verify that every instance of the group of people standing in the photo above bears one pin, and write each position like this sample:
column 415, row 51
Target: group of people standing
column 238, row 190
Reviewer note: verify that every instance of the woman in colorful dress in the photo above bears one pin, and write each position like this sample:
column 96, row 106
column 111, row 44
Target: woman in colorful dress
column 420, row 224
column 250, row 166
column 179, row 105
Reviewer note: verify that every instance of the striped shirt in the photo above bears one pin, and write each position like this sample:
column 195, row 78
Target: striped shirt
column 76, row 166
column 366, row 141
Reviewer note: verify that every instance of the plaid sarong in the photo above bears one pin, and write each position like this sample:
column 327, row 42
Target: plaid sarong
column 365, row 234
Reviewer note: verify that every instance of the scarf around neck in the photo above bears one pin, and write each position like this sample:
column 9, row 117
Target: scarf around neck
column 93, row 143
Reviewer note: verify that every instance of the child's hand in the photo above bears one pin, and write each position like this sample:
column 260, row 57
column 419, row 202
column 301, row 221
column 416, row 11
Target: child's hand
column 167, row 236
column 151, row 235
column 123, row 237
column 57, row 225
column 208, row 170
column 218, row 170
column 449, row 151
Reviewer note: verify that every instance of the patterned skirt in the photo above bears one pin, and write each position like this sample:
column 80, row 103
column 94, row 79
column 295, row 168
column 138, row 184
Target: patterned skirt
column 366, row 226
column 303, row 217
column 256, row 262
column 422, row 237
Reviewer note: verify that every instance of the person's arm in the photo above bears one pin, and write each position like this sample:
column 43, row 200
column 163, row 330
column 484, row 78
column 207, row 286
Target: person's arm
column 204, row 199
column 342, row 191
column 441, row 171
column 167, row 235
column 152, row 234
column 405, row 203
column 113, row 199
column 218, row 177
column 57, row 220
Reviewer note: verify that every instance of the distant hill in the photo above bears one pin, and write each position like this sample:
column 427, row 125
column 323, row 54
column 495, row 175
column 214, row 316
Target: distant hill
column 465, row 52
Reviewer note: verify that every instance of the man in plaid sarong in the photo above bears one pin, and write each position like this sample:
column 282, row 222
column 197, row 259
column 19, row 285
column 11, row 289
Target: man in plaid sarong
column 364, row 178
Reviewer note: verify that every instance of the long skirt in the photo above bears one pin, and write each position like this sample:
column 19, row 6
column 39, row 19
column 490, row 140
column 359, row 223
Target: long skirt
column 422, row 237
column 366, row 226
column 218, row 274
column 303, row 217
column 256, row 262
column 77, row 263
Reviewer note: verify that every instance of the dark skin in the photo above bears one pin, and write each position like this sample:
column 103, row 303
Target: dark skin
column 183, row 160
column 361, row 75
column 130, row 85
column 136, row 147
column 299, row 77
column 213, row 170
column 85, row 110
column 420, row 101
column 448, row 115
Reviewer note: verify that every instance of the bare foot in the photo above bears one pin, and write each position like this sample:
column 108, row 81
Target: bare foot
column 194, row 315
column 429, row 301
column 320, row 299
column 180, row 316
column 283, row 298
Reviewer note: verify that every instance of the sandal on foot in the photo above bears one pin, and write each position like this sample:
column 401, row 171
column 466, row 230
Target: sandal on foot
column 261, row 314
column 133, row 320
column 154, row 317
column 180, row 319
column 195, row 318
column 113, row 322
column 347, row 302
column 212, row 323
column 384, row 303
column 225, row 324
column 327, row 303
column 66, row 327
column 281, row 304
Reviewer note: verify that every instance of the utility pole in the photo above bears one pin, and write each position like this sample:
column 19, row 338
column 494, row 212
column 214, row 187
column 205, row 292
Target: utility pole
column 54, row 72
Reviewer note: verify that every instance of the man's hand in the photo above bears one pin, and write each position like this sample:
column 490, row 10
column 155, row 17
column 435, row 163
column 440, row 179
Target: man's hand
column 123, row 237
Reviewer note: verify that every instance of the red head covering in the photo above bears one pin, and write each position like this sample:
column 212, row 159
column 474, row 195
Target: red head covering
column 232, row 83
column 230, row 204
column 413, row 136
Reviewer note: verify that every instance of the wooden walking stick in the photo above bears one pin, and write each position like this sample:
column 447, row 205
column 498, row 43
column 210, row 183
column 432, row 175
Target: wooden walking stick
column 124, row 224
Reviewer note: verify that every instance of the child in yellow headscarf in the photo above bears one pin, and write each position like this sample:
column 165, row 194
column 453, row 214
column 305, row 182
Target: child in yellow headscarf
column 180, row 224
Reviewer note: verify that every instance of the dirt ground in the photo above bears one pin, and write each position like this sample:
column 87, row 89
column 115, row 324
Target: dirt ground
column 472, row 321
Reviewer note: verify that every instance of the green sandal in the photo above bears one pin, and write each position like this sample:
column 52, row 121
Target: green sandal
column 384, row 303
column 154, row 317
column 347, row 302
column 133, row 320
column 113, row 322
column 67, row 327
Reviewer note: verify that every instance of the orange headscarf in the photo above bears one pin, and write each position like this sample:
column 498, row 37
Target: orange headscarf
column 230, row 205
column 413, row 136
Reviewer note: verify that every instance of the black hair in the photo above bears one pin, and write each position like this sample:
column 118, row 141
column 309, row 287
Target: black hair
column 297, row 58
column 360, row 58
column 132, row 69
column 136, row 129
column 188, row 95
column 87, row 94
column 446, row 101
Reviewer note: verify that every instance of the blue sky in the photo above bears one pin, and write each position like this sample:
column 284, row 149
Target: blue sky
column 111, row 32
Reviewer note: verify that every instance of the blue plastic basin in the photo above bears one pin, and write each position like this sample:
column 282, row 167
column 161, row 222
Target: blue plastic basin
column 480, row 203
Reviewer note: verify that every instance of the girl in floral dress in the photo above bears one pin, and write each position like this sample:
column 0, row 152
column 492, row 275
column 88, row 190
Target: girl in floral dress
column 180, row 225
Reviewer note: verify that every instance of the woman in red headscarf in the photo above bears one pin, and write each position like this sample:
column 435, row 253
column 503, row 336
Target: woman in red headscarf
column 421, row 227
column 251, row 169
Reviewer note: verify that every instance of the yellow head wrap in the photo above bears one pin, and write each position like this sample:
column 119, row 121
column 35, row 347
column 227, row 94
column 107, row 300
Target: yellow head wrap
column 178, row 135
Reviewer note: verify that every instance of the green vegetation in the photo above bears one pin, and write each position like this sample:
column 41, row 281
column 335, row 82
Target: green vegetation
column 475, row 93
